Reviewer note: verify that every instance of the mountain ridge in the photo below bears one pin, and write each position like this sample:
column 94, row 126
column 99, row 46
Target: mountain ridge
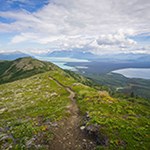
column 23, row 68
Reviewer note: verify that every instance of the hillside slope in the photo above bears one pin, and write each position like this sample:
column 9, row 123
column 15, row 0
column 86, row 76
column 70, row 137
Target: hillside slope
column 23, row 68
column 54, row 110
column 121, row 84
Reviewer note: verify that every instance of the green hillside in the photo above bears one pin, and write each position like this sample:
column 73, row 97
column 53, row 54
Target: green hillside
column 120, row 84
column 59, row 109
column 22, row 68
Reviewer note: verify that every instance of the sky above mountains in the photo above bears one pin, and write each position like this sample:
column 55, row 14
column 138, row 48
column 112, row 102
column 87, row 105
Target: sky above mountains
column 99, row 26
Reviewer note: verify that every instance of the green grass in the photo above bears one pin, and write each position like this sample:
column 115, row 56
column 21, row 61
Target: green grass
column 124, row 122
column 26, row 105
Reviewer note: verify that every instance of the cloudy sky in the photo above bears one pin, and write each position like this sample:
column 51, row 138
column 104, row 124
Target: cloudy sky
column 99, row 26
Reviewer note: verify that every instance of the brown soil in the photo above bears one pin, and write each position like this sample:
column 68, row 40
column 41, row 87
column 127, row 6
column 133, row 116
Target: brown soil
column 67, row 133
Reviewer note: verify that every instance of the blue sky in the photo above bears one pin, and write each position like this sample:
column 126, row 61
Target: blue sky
column 29, row 5
column 99, row 26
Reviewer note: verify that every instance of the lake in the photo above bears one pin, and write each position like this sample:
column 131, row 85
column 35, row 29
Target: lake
column 143, row 73
column 61, row 62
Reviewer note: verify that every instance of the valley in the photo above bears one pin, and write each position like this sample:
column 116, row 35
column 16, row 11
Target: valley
column 117, row 83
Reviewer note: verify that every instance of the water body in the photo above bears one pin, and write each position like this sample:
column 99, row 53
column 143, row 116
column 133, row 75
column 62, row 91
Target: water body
column 64, row 66
column 61, row 62
column 143, row 73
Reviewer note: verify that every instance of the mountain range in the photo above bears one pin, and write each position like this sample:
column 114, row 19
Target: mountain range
column 73, row 54
column 121, row 57
column 12, row 55
column 127, row 57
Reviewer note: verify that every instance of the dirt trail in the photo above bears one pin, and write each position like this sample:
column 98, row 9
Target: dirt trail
column 68, row 135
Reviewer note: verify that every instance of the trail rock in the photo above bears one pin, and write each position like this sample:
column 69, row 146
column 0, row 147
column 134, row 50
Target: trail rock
column 94, row 131
column 82, row 127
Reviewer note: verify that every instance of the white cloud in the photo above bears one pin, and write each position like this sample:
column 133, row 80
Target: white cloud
column 119, row 39
column 70, row 23
column 23, row 37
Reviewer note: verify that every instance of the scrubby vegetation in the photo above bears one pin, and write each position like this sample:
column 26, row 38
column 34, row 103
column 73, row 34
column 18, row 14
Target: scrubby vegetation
column 27, row 109
column 123, row 123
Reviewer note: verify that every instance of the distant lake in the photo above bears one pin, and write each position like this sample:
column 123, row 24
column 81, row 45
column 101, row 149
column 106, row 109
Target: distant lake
column 64, row 66
column 143, row 73
column 61, row 62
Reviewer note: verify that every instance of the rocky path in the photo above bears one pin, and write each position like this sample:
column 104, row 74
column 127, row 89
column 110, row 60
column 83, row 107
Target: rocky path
column 68, row 135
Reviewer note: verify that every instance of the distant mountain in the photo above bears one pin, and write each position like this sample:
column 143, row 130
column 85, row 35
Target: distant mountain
column 125, row 57
column 145, row 58
column 121, row 57
column 22, row 68
column 73, row 54
column 12, row 55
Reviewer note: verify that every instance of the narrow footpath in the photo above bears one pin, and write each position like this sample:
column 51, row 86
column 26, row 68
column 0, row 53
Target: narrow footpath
column 68, row 135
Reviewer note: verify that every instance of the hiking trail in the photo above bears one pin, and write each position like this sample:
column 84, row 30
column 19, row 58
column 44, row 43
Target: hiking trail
column 67, row 134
